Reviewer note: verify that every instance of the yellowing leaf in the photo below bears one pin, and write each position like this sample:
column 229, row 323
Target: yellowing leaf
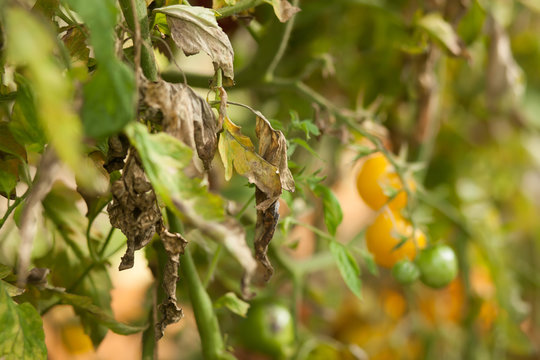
column 195, row 29
column 237, row 151
column 21, row 333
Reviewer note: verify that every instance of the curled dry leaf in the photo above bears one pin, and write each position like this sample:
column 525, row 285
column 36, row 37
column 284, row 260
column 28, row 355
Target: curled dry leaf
column 284, row 10
column 170, row 311
column 183, row 114
column 134, row 208
column 195, row 29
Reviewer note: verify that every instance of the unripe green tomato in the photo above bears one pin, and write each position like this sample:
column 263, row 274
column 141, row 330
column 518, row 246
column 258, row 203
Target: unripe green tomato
column 438, row 266
column 405, row 272
column 268, row 329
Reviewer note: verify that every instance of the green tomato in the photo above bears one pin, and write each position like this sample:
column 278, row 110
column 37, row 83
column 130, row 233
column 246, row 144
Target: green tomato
column 268, row 329
column 438, row 266
column 405, row 272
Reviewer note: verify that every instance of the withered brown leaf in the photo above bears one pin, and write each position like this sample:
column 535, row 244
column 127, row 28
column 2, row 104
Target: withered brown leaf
column 195, row 29
column 183, row 114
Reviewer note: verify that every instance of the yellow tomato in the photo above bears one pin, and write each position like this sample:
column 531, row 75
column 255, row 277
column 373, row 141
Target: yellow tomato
column 386, row 232
column 376, row 175
column 75, row 339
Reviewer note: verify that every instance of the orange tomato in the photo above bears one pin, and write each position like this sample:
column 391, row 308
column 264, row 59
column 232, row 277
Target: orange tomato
column 386, row 232
column 376, row 175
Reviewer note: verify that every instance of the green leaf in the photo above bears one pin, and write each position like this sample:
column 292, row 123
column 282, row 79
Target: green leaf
column 164, row 159
column 4, row 271
column 348, row 267
column 333, row 216
column 109, row 100
column 306, row 146
column 84, row 304
column 109, row 96
column 24, row 124
column 442, row 32
column 233, row 303
column 21, row 333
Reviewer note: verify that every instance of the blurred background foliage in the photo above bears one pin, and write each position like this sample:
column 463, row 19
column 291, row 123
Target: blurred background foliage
column 451, row 86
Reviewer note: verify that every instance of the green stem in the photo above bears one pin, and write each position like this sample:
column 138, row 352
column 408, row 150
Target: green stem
column 213, row 266
column 207, row 323
column 148, row 61
column 313, row 228
column 236, row 8
column 244, row 208
column 282, row 46
column 12, row 207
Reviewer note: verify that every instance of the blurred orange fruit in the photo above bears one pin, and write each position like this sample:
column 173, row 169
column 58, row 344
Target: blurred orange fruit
column 377, row 175
column 386, row 232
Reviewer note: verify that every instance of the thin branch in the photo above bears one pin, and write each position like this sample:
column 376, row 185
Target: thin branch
column 13, row 207
column 43, row 181
column 236, row 8
column 136, row 42
column 282, row 45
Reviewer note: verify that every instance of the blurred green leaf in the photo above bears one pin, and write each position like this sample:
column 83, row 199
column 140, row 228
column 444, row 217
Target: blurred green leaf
column 348, row 267
column 333, row 216
column 233, row 303
column 24, row 124
column 84, row 304
column 21, row 333
column 442, row 32
column 31, row 44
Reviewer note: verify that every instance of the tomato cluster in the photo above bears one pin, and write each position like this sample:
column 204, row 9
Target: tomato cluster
column 391, row 239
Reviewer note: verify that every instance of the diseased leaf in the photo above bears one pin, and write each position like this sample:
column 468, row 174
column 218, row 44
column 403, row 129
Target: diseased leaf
column 164, row 158
column 184, row 115
column 75, row 42
column 233, row 303
column 12, row 155
column 332, row 209
column 348, row 268
column 442, row 32
column 134, row 209
column 195, row 29
column 21, row 333
column 238, row 153
column 283, row 9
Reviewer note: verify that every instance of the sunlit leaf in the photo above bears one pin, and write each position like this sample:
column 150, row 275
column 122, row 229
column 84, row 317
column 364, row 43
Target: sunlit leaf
column 21, row 333
column 195, row 29
column 32, row 44
column 348, row 267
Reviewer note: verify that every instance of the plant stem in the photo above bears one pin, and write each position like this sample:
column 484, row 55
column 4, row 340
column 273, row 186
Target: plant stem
column 148, row 61
column 313, row 228
column 213, row 265
column 207, row 323
column 282, row 46
column 12, row 207
column 236, row 8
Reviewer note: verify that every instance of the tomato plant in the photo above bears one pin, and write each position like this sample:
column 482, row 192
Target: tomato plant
column 167, row 161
